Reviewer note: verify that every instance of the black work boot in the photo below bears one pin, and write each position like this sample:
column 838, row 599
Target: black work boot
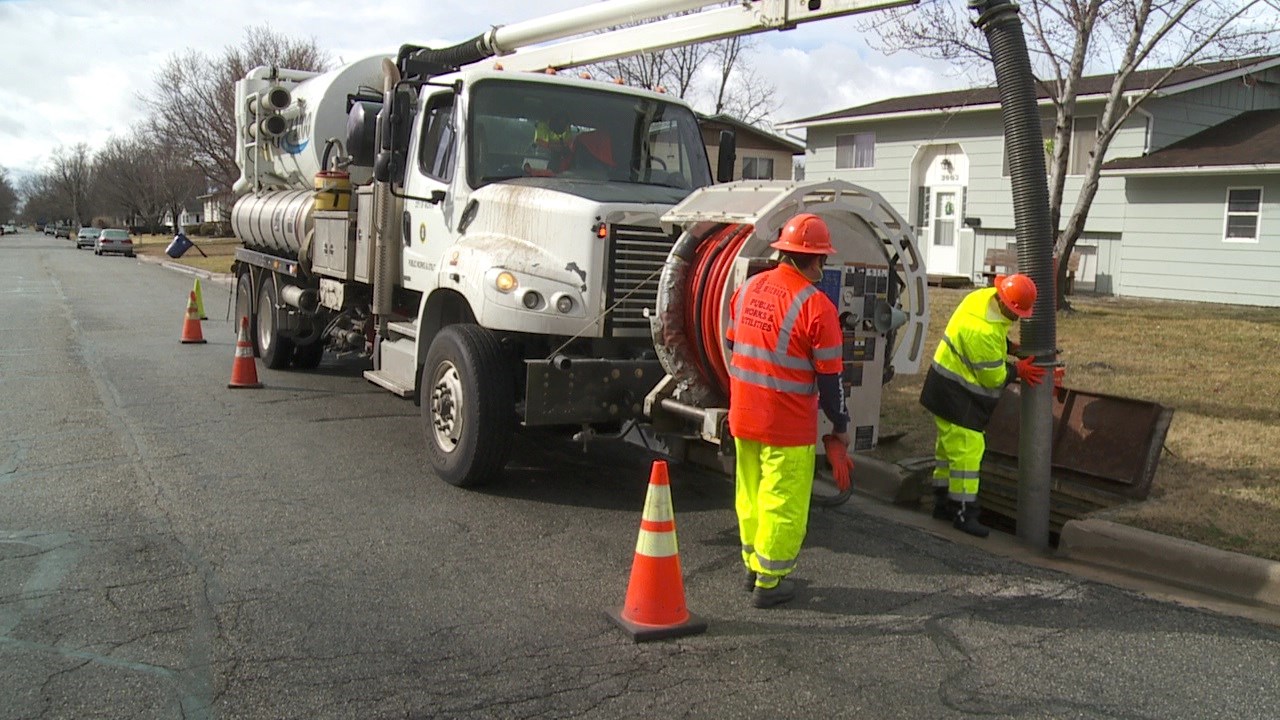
column 784, row 591
column 967, row 520
column 750, row 584
column 944, row 508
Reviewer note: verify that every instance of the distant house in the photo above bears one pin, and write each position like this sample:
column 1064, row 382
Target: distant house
column 192, row 216
column 761, row 155
column 1184, row 214
column 216, row 207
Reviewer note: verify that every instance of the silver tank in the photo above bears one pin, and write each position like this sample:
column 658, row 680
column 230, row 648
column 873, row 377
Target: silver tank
column 275, row 222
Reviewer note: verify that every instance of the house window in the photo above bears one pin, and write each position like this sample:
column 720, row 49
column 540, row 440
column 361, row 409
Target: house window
column 1244, row 211
column 1084, row 140
column 757, row 168
column 856, row 151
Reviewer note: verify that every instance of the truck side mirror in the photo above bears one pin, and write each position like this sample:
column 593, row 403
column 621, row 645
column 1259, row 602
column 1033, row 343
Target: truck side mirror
column 394, row 126
column 726, row 156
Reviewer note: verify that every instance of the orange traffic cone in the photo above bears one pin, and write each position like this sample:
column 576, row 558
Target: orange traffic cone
column 244, row 371
column 191, row 326
column 655, row 608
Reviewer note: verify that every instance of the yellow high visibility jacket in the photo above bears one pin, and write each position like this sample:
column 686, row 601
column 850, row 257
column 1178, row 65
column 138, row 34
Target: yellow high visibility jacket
column 969, row 370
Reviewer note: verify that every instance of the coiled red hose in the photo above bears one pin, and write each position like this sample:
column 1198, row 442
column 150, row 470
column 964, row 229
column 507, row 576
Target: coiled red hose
column 712, row 263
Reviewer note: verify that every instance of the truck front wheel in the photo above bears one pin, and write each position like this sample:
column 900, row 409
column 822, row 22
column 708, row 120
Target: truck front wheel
column 468, row 405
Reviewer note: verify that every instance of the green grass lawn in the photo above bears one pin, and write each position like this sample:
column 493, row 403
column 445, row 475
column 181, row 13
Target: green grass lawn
column 220, row 251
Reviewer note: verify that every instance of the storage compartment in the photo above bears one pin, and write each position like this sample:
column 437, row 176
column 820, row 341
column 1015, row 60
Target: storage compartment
column 332, row 247
column 363, row 260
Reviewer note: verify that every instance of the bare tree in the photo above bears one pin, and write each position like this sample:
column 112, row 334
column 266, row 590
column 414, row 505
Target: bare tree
column 193, row 104
column 8, row 197
column 716, row 75
column 1068, row 38
column 124, row 175
column 72, row 172
column 40, row 199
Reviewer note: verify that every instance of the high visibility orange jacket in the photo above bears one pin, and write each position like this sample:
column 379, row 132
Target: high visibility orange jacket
column 784, row 333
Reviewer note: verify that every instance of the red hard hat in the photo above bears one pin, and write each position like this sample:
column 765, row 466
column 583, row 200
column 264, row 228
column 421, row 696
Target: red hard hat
column 805, row 233
column 1017, row 292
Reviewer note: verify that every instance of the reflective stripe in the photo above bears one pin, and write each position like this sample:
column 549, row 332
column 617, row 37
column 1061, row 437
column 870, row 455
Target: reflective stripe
column 941, row 464
column 971, row 387
column 777, row 565
column 759, row 353
column 975, row 367
column 656, row 544
column 772, row 383
column 964, row 474
column 831, row 353
column 657, row 504
column 962, row 496
column 793, row 313
column 742, row 298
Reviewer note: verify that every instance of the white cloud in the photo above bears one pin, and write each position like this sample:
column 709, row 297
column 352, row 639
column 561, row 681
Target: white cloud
column 73, row 69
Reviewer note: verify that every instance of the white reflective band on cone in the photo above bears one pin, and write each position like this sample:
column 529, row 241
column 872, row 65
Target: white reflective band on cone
column 656, row 544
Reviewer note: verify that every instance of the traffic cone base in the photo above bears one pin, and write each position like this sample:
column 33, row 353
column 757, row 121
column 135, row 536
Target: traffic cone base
column 191, row 334
column 244, row 371
column 654, row 608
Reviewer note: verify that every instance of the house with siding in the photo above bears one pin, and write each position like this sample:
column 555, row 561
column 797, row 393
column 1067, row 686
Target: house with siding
column 1155, row 228
column 761, row 155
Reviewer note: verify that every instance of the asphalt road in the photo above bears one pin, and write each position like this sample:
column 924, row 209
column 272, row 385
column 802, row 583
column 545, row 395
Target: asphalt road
column 170, row 548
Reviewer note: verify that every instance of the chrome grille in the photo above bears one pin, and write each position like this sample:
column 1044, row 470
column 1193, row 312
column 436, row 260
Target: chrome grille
column 636, row 256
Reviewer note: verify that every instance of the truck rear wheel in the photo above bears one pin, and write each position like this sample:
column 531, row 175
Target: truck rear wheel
column 468, row 405
column 274, row 347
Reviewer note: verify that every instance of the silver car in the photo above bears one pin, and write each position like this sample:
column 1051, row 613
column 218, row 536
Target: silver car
column 86, row 237
column 113, row 241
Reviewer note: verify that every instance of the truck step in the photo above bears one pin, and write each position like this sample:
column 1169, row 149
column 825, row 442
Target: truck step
column 407, row 329
column 398, row 366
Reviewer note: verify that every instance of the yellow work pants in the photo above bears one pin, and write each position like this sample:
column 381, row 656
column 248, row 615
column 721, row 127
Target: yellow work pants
column 772, row 499
column 958, row 457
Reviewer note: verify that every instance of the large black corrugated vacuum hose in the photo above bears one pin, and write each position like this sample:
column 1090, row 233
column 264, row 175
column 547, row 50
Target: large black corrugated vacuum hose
column 998, row 20
column 417, row 62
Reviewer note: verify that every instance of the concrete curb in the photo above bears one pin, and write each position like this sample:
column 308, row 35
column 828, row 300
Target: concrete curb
column 219, row 278
column 1139, row 554
column 1173, row 560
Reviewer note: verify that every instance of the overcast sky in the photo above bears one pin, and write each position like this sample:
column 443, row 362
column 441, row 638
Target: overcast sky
column 71, row 70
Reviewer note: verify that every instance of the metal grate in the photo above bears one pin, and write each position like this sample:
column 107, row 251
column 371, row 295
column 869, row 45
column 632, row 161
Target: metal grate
column 636, row 256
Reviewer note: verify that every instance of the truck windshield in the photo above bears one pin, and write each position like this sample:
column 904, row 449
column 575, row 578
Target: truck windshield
column 535, row 129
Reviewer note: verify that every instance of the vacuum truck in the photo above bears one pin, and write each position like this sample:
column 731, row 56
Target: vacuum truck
column 516, row 246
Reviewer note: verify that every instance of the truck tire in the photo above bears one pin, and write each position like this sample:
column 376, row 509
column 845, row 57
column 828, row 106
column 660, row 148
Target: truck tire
column 244, row 308
column 274, row 347
column 468, row 405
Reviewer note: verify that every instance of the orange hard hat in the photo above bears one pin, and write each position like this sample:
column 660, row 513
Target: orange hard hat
column 1017, row 292
column 805, row 233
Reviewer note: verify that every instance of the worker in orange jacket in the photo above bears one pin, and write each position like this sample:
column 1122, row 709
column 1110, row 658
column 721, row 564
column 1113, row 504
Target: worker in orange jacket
column 963, row 385
column 786, row 361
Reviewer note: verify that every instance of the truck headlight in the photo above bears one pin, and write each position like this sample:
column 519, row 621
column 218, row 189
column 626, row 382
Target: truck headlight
column 505, row 282
column 531, row 299
column 564, row 304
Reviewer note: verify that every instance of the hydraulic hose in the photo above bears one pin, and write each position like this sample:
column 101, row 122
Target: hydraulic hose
column 423, row 62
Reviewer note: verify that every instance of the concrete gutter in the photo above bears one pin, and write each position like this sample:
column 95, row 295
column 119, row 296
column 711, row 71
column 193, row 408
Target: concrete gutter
column 1173, row 560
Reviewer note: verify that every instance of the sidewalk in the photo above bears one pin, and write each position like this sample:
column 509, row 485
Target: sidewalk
column 1154, row 564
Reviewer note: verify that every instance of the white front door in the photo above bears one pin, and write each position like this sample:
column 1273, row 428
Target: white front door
column 944, row 230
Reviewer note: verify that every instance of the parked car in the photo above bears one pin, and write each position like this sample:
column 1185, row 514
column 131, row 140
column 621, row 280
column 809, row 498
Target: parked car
column 113, row 241
column 10, row 229
column 62, row 232
column 86, row 237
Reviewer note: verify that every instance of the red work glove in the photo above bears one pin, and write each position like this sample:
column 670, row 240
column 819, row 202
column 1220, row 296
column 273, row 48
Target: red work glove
column 841, row 463
column 1030, row 375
